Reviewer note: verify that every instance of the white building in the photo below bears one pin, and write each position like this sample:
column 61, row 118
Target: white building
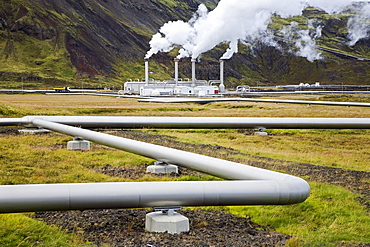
column 173, row 87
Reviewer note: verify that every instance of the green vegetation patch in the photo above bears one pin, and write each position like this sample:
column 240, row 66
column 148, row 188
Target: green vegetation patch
column 334, row 148
column 31, row 57
column 191, row 109
column 97, row 111
column 345, row 98
column 10, row 111
column 329, row 216
column 173, row 3
column 20, row 230
column 30, row 159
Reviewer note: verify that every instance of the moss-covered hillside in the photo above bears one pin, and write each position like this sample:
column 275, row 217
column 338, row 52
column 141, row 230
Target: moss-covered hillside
column 71, row 40
column 47, row 43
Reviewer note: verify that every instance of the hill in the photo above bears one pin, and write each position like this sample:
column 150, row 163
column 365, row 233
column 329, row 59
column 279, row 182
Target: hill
column 47, row 43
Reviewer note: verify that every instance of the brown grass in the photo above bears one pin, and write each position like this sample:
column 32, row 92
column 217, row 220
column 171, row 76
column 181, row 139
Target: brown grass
column 96, row 105
column 337, row 148
column 320, row 221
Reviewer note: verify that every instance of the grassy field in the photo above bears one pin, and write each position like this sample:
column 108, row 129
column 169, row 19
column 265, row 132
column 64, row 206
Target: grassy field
column 332, row 215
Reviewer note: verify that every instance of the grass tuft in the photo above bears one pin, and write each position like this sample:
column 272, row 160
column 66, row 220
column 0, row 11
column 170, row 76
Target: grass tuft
column 20, row 230
column 329, row 216
column 10, row 111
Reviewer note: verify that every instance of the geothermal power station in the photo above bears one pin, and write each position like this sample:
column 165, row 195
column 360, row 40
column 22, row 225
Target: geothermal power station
column 176, row 86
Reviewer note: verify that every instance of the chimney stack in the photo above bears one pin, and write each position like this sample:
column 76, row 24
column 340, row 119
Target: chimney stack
column 146, row 71
column 193, row 72
column 176, row 70
column 222, row 86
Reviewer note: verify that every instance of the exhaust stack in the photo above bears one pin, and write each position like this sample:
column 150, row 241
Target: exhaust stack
column 222, row 86
column 193, row 72
column 176, row 70
column 146, row 71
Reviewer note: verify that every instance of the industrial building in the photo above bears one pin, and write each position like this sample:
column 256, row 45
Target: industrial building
column 175, row 86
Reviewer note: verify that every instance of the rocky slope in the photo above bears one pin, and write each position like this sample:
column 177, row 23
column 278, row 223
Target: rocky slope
column 91, row 37
column 47, row 42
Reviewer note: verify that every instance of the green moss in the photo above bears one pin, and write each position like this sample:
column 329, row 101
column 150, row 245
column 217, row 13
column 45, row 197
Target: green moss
column 171, row 3
column 26, row 160
column 97, row 111
column 20, row 230
column 181, row 109
column 331, row 215
column 10, row 111
column 42, row 58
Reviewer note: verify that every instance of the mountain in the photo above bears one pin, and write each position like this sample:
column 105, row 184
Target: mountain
column 79, row 39
column 102, row 43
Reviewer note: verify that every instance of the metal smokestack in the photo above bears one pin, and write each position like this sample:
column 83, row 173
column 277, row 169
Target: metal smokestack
column 193, row 72
column 176, row 70
column 222, row 86
column 146, row 71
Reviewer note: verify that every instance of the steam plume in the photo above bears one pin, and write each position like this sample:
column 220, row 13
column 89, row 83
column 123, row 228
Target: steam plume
column 247, row 21
column 359, row 25
column 302, row 41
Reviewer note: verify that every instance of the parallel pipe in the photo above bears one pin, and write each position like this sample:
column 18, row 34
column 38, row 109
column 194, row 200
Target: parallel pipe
column 256, row 100
column 83, row 196
column 198, row 122
column 11, row 121
column 266, row 187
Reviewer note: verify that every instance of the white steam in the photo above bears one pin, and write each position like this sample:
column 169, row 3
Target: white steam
column 302, row 42
column 359, row 25
column 234, row 21
column 173, row 35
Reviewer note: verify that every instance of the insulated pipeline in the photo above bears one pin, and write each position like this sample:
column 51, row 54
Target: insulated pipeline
column 82, row 196
column 202, row 122
column 256, row 100
column 251, row 185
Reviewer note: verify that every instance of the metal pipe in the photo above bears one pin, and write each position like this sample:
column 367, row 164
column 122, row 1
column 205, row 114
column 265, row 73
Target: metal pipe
column 193, row 73
column 309, row 102
column 201, row 122
column 82, row 196
column 222, row 85
column 205, row 101
column 146, row 71
column 266, row 187
column 176, row 71
column 11, row 121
